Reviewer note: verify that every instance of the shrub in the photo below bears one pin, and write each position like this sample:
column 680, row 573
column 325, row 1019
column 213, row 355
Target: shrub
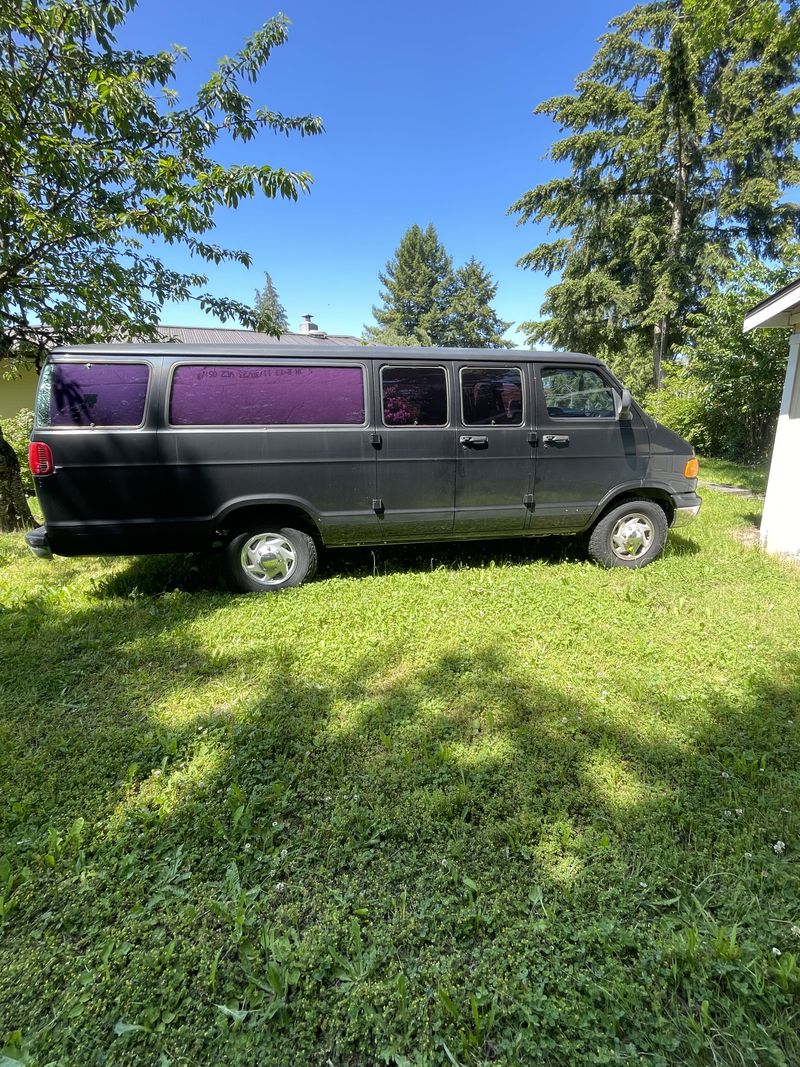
column 17, row 431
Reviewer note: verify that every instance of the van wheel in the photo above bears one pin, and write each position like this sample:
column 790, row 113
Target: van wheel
column 630, row 535
column 265, row 561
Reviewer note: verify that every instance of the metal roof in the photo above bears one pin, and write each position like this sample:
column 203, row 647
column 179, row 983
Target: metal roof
column 209, row 335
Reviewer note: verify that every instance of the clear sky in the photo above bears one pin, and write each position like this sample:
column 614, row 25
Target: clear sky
column 428, row 115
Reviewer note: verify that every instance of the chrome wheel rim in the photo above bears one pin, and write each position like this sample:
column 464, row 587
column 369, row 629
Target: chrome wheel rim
column 268, row 558
column 632, row 536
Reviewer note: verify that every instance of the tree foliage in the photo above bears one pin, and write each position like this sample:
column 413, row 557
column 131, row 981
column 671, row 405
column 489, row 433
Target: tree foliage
column 418, row 283
column 726, row 397
column 473, row 321
column 98, row 159
column 427, row 302
column 270, row 314
column 680, row 143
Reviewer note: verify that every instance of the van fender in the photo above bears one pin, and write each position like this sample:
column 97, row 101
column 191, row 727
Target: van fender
column 296, row 508
column 650, row 489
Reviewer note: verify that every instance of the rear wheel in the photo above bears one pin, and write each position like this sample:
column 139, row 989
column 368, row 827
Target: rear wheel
column 267, row 560
column 630, row 535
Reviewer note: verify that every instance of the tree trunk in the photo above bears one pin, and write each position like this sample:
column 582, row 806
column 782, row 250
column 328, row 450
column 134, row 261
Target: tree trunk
column 660, row 349
column 14, row 511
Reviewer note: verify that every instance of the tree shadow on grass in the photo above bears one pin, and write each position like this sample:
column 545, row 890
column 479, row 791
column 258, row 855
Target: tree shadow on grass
column 461, row 822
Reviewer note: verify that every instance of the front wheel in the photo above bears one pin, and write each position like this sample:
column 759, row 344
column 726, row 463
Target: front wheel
column 264, row 561
column 630, row 535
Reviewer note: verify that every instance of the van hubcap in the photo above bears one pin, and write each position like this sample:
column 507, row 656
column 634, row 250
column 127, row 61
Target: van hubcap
column 268, row 558
column 632, row 536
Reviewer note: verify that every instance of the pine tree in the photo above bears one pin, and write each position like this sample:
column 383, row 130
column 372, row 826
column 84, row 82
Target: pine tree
column 418, row 283
column 473, row 323
column 681, row 144
column 270, row 313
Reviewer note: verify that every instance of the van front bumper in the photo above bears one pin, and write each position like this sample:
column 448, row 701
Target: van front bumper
column 687, row 508
column 37, row 542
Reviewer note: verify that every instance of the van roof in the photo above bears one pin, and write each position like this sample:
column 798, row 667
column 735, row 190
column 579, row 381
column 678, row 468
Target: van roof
column 338, row 352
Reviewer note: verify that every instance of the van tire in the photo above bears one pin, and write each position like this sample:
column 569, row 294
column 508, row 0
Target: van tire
column 268, row 559
column 631, row 535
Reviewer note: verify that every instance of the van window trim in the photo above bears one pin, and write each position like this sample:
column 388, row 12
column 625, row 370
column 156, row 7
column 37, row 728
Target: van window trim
column 580, row 420
column 110, row 427
column 523, row 392
column 411, row 426
column 249, row 427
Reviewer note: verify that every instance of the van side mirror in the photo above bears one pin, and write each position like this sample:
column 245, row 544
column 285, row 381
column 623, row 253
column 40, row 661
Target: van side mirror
column 624, row 413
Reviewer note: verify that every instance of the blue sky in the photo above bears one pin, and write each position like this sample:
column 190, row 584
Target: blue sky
column 427, row 108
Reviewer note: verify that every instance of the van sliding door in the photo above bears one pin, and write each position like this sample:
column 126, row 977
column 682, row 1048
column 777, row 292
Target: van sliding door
column 415, row 446
column 496, row 451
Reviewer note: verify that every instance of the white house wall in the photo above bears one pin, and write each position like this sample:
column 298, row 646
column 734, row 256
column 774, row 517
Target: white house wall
column 780, row 525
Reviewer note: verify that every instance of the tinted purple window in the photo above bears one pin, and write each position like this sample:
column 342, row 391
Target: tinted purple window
column 236, row 395
column 101, row 394
column 414, row 396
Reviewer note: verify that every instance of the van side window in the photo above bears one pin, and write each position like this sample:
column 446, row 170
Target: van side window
column 491, row 396
column 414, row 396
column 234, row 394
column 92, row 394
column 577, row 393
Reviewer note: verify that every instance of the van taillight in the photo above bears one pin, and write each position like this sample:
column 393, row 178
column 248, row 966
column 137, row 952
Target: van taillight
column 40, row 458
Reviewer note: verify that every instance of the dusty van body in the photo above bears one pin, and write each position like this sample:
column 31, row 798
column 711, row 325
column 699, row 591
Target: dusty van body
column 270, row 451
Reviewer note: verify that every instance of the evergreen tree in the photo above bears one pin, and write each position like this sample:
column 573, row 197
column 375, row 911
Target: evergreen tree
column 270, row 314
column 418, row 284
column 681, row 143
column 472, row 321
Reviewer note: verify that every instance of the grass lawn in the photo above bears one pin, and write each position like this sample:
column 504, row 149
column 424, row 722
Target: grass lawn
column 440, row 806
column 723, row 472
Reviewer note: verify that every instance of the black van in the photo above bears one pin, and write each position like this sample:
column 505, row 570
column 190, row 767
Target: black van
column 269, row 450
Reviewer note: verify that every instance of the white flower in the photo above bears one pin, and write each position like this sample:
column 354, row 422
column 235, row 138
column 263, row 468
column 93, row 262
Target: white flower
column 280, row 886
column 796, row 931
column 779, row 847
column 739, row 812
column 247, row 847
column 275, row 825
column 727, row 813
column 776, row 952
column 643, row 885
column 444, row 863
column 564, row 721
column 328, row 799
column 284, row 853
column 725, row 774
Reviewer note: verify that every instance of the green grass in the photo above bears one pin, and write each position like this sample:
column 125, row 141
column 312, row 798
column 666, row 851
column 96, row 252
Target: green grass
column 724, row 472
column 463, row 805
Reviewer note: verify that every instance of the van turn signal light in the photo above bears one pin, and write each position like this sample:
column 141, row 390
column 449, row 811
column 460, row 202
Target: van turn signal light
column 692, row 468
column 40, row 458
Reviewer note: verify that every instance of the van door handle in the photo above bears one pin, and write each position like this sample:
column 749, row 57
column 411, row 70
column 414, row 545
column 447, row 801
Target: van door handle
column 469, row 441
column 555, row 439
